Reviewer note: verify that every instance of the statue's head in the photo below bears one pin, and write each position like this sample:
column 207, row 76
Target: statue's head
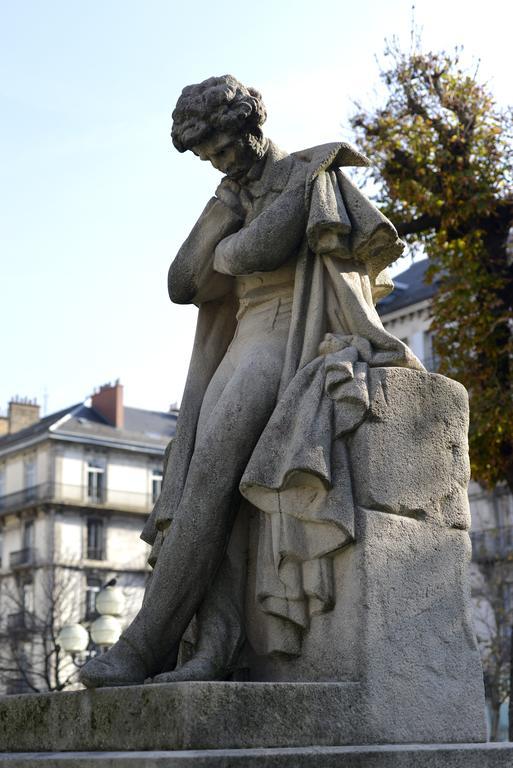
column 219, row 120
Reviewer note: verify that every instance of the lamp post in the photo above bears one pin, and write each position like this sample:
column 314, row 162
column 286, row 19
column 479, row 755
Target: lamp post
column 103, row 632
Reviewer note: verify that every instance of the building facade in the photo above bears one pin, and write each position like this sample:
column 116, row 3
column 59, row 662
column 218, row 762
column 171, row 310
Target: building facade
column 75, row 489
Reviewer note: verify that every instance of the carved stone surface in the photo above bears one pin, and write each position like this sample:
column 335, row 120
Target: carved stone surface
column 313, row 515
column 410, row 458
column 402, row 627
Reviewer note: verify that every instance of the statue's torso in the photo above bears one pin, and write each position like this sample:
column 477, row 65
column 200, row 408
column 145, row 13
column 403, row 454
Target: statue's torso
column 279, row 171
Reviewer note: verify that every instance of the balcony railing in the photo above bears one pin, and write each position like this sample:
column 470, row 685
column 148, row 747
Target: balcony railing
column 22, row 557
column 95, row 553
column 15, row 686
column 20, row 622
column 76, row 495
column 492, row 544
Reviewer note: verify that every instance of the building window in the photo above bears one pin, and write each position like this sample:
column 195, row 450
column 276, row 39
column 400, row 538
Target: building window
column 27, row 596
column 156, row 484
column 95, row 539
column 427, row 342
column 22, row 682
column 95, row 482
column 27, row 536
column 30, row 479
column 93, row 586
column 17, row 685
column 2, row 486
column 430, row 359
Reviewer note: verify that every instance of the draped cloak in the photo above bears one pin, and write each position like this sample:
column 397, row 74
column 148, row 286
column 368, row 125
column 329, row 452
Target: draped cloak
column 298, row 475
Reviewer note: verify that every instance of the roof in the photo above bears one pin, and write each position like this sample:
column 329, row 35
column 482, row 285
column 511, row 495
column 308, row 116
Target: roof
column 39, row 428
column 146, row 431
column 410, row 288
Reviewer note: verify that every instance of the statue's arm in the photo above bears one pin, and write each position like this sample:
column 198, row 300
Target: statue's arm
column 268, row 241
column 192, row 278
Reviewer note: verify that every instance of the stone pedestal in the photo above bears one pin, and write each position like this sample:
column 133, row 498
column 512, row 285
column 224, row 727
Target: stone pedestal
column 276, row 725
column 391, row 662
column 400, row 629
column 400, row 636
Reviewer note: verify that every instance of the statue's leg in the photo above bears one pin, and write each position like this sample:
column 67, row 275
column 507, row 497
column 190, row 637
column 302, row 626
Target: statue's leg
column 220, row 619
column 195, row 544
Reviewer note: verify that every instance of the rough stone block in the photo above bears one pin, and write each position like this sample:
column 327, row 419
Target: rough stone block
column 411, row 456
column 402, row 628
column 216, row 715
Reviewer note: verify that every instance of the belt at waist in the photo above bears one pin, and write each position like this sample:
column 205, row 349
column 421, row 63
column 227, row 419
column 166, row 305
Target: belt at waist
column 266, row 285
column 256, row 310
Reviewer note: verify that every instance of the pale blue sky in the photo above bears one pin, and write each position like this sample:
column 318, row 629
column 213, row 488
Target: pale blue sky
column 94, row 200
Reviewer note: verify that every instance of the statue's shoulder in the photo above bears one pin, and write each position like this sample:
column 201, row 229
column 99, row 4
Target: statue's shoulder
column 283, row 170
column 278, row 169
column 332, row 155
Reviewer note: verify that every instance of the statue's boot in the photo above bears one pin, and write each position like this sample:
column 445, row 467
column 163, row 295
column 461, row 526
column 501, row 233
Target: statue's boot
column 220, row 619
column 196, row 669
column 121, row 665
column 140, row 652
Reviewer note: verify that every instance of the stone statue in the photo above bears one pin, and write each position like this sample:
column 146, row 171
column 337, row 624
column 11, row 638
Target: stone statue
column 311, row 444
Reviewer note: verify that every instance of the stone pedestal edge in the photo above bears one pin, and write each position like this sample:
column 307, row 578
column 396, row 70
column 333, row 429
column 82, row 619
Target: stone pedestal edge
column 497, row 755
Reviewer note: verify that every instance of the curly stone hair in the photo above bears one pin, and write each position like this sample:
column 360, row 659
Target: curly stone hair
column 217, row 104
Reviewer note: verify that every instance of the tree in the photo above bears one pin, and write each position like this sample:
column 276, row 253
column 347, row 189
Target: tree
column 30, row 655
column 443, row 167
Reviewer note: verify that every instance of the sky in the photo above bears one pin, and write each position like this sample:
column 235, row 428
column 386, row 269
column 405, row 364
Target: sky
column 95, row 201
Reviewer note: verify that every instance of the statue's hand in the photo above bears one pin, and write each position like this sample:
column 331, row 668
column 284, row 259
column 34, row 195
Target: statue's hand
column 228, row 193
column 335, row 342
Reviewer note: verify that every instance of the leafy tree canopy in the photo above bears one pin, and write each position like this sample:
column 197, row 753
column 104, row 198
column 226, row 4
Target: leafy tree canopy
column 442, row 157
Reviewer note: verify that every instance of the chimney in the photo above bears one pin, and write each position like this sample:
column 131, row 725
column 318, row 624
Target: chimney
column 4, row 425
column 22, row 413
column 108, row 402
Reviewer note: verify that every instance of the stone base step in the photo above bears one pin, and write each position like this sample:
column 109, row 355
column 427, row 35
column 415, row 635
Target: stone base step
column 184, row 716
column 497, row 755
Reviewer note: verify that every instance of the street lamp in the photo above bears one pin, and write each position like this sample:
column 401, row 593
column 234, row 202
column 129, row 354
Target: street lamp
column 73, row 638
column 104, row 631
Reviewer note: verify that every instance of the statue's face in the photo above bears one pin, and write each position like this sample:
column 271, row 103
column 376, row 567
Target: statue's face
column 228, row 153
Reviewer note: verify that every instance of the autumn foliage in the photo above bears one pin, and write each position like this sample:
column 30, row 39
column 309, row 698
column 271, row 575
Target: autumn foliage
column 442, row 158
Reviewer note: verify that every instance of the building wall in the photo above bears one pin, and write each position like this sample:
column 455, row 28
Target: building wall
column 43, row 467
column 59, row 519
column 13, row 471
column 124, row 547
column 12, row 535
column 411, row 325
column 69, row 536
column 127, row 477
column 11, row 540
column 69, row 471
